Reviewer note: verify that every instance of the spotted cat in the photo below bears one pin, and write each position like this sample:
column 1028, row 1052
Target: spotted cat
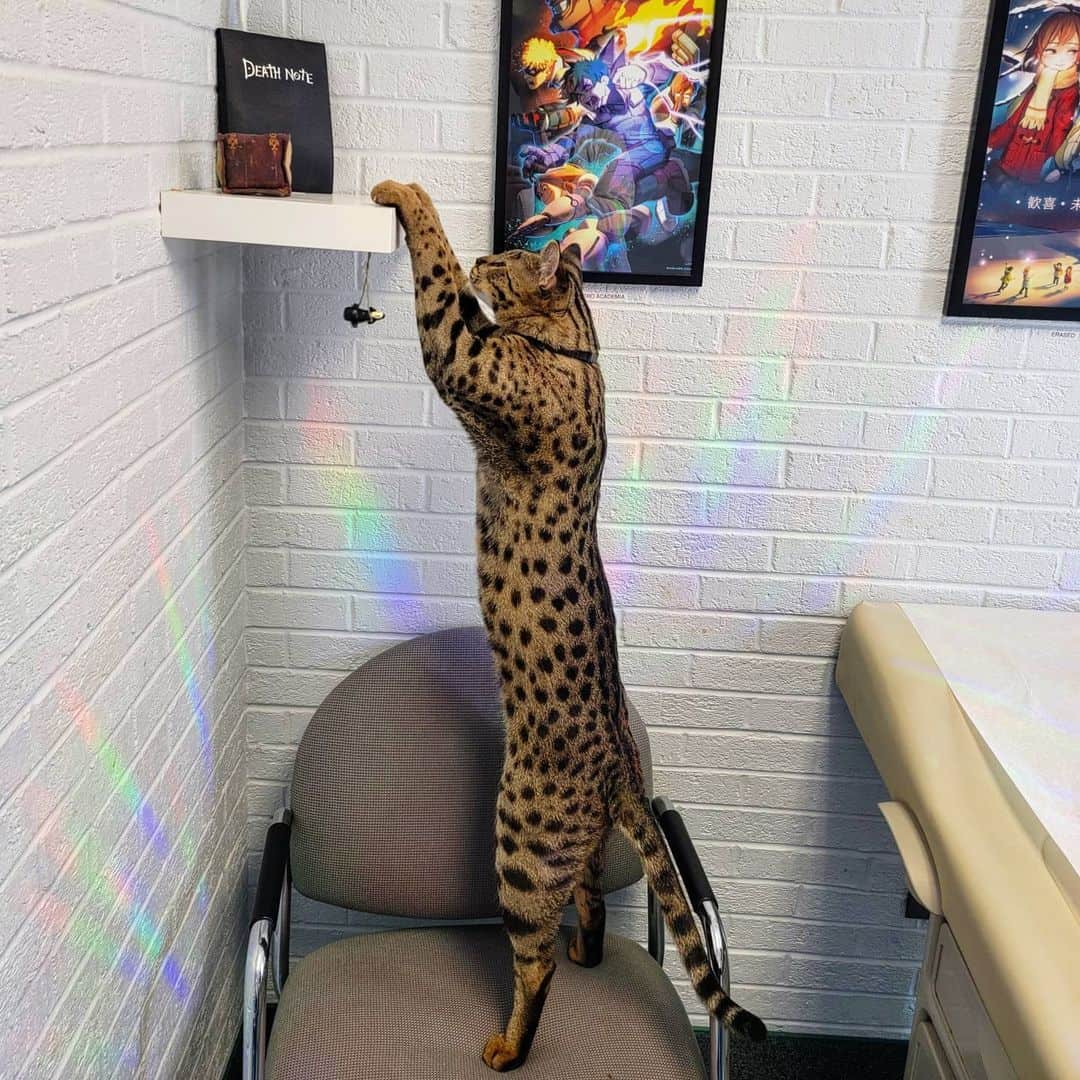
column 530, row 394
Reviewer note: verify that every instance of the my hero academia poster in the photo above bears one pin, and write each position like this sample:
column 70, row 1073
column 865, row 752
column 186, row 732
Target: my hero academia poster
column 1017, row 251
column 606, row 124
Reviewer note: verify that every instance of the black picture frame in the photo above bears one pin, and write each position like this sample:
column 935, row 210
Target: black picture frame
column 957, row 305
column 694, row 273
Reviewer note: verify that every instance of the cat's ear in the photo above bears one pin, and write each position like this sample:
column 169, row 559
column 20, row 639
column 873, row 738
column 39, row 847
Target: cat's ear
column 549, row 265
column 571, row 259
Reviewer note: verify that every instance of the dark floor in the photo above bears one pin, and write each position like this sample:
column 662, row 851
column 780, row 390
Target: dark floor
column 814, row 1057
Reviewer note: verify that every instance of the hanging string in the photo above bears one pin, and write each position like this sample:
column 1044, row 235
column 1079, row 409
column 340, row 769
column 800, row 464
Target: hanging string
column 364, row 287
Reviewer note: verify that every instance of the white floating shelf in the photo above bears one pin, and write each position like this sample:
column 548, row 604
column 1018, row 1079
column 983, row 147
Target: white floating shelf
column 335, row 222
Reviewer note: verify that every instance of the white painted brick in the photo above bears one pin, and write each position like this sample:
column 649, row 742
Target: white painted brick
column 791, row 424
column 115, row 411
column 966, row 345
column 859, row 96
column 774, row 92
column 704, row 549
column 306, row 443
column 804, row 335
column 353, row 489
column 1036, row 601
column 937, row 433
column 772, row 594
column 830, row 244
column 918, row 519
column 1037, row 527
column 690, row 630
column 654, row 667
column 822, row 146
column 724, row 378
column 50, row 112
column 869, row 385
column 780, row 510
column 800, row 637
column 313, row 611
column 1036, row 392
column 413, row 615
column 882, row 42
column 404, row 75
column 636, row 503
column 352, row 403
column 376, row 126
column 855, row 592
column 109, row 42
column 784, row 194
column 985, row 565
column 632, row 588
column 871, row 558
column 416, row 25
column 663, row 417
column 928, row 247
column 1070, row 572
column 889, row 294
column 1055, row 439
column 770, row 752
column 870, row 195
column 47, row 269
column 745, row 466
column 857, row 472
column 1005, row 481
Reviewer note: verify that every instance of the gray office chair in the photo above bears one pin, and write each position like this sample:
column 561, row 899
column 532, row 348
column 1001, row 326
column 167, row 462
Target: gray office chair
column 392, row 812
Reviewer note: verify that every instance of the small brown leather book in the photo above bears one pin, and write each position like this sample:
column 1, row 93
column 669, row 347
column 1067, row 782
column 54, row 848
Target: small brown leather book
column 254, row 164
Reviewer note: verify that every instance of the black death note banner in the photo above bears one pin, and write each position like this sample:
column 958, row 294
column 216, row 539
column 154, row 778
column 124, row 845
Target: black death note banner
column 1017, row 251
column 607, row 113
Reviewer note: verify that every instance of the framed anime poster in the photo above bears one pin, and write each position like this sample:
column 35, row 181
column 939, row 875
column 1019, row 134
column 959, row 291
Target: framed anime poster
column 1017, row 252
column 607, row 116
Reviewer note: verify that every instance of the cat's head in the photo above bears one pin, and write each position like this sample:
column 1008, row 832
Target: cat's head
column 521, row 283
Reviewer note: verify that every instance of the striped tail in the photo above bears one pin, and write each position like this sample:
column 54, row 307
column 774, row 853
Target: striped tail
column 634, row 816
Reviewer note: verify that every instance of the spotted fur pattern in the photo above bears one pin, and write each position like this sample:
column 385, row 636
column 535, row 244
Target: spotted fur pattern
column 531, row 396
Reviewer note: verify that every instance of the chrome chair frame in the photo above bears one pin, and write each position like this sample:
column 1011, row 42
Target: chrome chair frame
column 268, row 942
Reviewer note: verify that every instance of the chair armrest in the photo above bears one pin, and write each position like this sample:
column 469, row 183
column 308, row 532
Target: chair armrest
column 698, row 889
column 272, row 871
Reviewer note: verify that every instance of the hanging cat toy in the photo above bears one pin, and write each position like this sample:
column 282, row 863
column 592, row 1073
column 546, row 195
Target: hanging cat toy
column 358, row 313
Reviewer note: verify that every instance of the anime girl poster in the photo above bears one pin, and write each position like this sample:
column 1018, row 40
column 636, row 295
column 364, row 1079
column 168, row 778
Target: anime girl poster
column 1017, row 250
column 606, row 125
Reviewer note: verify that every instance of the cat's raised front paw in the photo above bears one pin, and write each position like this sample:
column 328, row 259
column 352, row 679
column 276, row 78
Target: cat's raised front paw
column 391, row 193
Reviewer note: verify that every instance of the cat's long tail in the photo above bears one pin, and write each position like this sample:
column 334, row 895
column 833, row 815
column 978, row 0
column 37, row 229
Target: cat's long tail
column 634, row 816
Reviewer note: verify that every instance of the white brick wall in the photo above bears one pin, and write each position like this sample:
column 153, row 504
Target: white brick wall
column 800, row 434
column 122, row 771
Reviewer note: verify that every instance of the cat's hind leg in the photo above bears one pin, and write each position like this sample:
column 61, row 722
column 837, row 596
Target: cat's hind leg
column 535, row 883
column 534, row 965
column 587, row 946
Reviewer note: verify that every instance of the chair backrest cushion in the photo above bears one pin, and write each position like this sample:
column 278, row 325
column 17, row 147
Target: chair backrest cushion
column 395, row 781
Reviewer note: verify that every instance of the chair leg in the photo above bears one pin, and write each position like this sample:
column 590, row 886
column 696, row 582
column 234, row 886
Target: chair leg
column 258, row 958
column 716, row 944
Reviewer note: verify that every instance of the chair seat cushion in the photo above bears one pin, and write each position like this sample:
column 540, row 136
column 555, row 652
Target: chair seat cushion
column 420, row 1004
